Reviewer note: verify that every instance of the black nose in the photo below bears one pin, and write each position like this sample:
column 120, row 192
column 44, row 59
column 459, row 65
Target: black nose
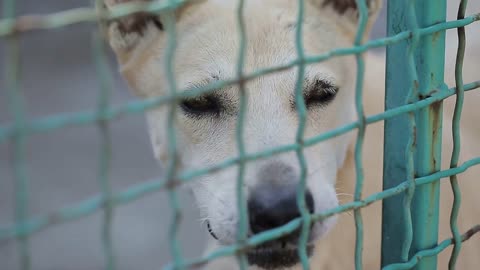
column 273, row 206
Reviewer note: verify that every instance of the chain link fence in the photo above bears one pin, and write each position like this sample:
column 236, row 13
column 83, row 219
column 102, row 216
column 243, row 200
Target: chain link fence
column 419, row 179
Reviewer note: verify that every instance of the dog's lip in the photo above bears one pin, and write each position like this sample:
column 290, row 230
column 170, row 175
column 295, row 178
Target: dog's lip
column 210, row 230
column 288, row 248
column 276, row 256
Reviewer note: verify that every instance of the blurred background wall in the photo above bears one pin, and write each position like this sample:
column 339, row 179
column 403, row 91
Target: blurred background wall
column 58, row 75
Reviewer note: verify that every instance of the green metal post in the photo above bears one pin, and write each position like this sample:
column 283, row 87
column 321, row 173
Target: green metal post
column 413, row 142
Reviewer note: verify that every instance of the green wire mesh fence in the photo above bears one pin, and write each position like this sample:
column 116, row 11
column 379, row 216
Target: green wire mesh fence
column 417, row 183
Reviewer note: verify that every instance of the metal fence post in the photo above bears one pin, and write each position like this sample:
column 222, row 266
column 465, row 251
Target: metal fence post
column 413, row 142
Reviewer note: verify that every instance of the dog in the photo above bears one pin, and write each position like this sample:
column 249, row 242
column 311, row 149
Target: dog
column 205, row 126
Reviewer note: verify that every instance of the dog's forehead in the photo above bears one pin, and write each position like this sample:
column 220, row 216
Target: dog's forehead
column 210, row 51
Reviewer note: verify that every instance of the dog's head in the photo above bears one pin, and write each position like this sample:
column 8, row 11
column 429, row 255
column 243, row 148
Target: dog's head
column 207, row 49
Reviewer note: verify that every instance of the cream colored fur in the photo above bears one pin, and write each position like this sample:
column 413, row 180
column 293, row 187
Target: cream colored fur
column 141, row 64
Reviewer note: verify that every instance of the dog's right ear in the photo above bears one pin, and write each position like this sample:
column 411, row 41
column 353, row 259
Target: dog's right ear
column 128, row 33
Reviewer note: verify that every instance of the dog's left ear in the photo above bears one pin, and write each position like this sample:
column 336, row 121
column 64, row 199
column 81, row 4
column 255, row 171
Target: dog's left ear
column 347, row 12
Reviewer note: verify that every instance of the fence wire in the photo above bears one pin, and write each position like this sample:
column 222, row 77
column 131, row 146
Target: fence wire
column 18, row 131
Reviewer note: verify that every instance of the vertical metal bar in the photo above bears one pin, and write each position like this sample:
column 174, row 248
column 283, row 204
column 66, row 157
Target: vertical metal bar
column 171, row 173
column 240, row 194
column 396, row 129
column 427, row 77
column 456, row 137
column 302, row 116
column 106, row 85
column 430, row 61
column 16, row 108
column 362, row 23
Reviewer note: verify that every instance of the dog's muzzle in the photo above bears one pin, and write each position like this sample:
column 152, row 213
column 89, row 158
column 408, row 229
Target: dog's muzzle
column 270, row 207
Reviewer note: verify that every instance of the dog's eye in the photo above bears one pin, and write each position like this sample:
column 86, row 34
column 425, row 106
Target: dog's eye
column 201, row 106
column 321, row 93
column 321, row 97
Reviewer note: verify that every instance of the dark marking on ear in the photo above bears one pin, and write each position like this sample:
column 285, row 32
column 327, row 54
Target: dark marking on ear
column 138, row 23
column 342, row 6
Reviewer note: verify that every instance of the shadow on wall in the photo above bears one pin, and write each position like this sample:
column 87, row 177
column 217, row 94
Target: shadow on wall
column 58, row 75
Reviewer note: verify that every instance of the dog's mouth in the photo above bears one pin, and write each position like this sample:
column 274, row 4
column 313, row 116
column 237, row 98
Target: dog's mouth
column 211, row 231
column 276, row 255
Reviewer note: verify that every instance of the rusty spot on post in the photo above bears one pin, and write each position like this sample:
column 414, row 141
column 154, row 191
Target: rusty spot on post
column 435, row 113
column 435, row 36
